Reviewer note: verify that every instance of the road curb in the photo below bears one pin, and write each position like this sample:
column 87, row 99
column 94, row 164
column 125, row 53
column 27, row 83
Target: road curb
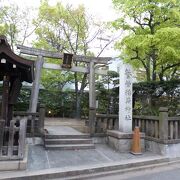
column 80, row 171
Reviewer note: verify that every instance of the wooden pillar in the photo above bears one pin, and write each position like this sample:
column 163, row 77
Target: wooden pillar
column 163, row 123
column 41, row 118
column 22, row 138
column 11, row 138
column 2, row 124
column 36, row 85
column 5, row 97
column 92, row 98
column 15, row 88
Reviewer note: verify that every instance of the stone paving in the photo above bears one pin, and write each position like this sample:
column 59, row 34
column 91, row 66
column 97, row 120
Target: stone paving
column 39, row 158
column 62, row 130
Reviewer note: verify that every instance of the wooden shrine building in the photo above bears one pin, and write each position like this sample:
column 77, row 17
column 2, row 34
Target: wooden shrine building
column 13, row 71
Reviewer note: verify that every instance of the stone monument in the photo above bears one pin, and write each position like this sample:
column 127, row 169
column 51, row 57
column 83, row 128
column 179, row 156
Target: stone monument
column 121, row 139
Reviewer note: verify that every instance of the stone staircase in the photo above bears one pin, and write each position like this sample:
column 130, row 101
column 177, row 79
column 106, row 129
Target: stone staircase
column 68, row 142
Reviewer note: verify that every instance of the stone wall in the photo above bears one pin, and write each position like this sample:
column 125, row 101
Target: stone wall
column 168, row 150
column 122, row 142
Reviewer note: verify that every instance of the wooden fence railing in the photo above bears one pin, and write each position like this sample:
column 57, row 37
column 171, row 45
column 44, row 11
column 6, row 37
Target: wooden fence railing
column 105, row 122
column 35, row 121
column 12, row 139
column 158, row 128
column 147, row 124
column 174, row 126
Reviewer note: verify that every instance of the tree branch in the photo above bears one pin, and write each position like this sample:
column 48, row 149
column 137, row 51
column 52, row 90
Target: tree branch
column 170, row 66
column 138, row 58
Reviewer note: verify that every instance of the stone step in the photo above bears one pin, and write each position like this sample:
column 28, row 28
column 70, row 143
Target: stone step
column 68, row 141
column 69, row 136
column 70, row 146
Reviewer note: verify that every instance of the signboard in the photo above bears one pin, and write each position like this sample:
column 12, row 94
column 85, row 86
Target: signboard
column 67, row 60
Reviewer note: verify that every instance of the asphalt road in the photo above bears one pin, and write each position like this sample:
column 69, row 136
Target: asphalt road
column 169, row 172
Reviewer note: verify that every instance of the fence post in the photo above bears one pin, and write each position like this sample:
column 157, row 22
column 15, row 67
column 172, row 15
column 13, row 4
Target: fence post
column 41, row 118
column 163, row 123
column 22, row 138
column 2, row 124
column 11, row 138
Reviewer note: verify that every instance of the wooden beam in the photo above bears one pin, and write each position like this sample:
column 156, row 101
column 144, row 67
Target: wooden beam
column 73, row 69
column 59, row 67
column 57, row 55
column 39, row 52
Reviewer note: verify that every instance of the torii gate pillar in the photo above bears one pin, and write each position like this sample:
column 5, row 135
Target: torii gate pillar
column 36, row 85
column 92, row 98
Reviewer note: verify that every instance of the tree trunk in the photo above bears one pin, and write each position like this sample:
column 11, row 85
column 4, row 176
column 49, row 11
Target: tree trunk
column 154, row 65
column 148, row 70
column 79, row 94
column 78, row 106
column 77, row 98
column 161, row 76
column 148, row 75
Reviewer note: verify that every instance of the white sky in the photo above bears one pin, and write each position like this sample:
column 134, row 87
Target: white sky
column 102, row 9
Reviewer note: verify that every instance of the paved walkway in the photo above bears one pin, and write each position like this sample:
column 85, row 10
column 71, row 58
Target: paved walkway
column 78, row 124
column 62, row 130
column 40, row 159
column 56, row 121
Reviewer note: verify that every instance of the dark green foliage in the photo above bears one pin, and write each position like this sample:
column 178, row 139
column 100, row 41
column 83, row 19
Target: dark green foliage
column 23, row 100
column 149, row 96
column 108, row 101
column 58, row 103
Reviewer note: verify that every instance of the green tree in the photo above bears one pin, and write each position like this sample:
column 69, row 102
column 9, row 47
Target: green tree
column 153, row 36
column 106, row 94
column 67, row 29
column 16, row 24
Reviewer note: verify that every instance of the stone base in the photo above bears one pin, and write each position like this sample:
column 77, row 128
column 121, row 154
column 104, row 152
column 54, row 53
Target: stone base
column 11, row 165
column 121, row 141
column 168, row 150
column 136, row 153
column 35, row 141
column 99, row 140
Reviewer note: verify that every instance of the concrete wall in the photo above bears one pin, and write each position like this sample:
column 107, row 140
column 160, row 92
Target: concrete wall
column 169, row 150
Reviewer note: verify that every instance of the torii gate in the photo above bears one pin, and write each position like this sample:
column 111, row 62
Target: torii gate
column 91, row 70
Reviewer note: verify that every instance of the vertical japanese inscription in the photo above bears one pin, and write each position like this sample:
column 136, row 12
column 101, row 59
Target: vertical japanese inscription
column 128, row 93
column 125, row 98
